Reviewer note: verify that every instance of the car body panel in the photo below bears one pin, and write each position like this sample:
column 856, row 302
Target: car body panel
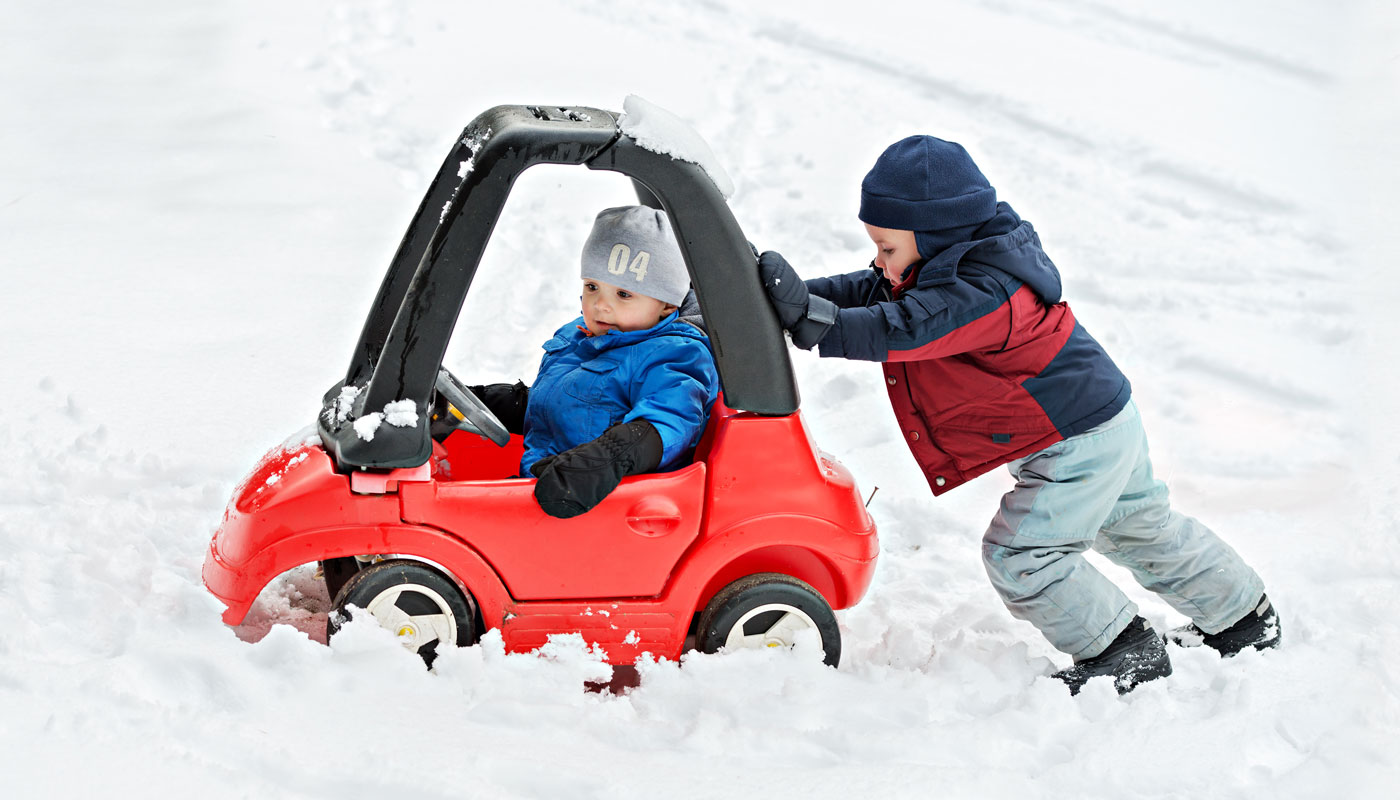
column 626, row 591
column 627, row 546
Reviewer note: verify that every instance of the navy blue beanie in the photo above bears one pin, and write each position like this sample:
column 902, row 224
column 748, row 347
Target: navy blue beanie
column 926, row 184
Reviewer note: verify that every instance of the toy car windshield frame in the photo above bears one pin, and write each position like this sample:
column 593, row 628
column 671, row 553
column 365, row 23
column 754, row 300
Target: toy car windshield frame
column 405, row 336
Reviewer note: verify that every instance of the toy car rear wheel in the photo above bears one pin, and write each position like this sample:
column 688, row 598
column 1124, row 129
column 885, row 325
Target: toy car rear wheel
column 415, row 602
column 767, row 610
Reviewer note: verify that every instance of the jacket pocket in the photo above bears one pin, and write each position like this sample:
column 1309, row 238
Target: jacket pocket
column 973, row 443
column 591, row 380
column 597, row 397
column 931, row 302
column 910, row 311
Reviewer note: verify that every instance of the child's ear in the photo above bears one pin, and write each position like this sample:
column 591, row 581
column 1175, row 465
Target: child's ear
column 667, row 308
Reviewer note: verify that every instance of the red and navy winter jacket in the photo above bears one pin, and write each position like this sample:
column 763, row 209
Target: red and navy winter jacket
column 983, row 361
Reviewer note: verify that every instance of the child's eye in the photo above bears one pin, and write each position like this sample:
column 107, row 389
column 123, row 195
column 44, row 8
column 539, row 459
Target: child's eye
column 590, row 287
column 624, row 295
column 889, row 251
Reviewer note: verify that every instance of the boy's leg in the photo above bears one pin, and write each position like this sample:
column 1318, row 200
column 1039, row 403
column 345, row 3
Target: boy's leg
column 1174, row 555
column 1033, row 550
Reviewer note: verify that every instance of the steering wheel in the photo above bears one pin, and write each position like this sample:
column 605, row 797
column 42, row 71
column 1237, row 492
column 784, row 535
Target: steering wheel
column 472, row 414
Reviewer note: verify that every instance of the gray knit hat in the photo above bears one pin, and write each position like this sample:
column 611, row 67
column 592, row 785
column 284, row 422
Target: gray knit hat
column 633, row 247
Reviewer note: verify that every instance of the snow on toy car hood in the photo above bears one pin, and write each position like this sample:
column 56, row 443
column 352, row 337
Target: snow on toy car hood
column 660, row 131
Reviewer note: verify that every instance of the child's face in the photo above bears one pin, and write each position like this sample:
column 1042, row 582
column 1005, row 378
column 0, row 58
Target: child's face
column 611, row 308
column 895, row 250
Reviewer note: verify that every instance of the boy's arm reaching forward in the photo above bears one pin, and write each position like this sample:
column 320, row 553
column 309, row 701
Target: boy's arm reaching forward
column 923, row 323
column 955, row 316
column 846, row 291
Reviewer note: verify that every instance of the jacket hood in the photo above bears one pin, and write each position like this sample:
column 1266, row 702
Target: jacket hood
column 1006, row 242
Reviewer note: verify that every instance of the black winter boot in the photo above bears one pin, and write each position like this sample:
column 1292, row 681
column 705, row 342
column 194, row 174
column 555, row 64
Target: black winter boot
column 1136, row 656
column 1258, row 629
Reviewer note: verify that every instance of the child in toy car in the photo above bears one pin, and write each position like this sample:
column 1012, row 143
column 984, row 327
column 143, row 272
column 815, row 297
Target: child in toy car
column 625, row 388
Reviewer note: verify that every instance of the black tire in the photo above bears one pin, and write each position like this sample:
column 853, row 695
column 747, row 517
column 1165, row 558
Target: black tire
column 738, row 612
column 337, row 571
column 412, row 600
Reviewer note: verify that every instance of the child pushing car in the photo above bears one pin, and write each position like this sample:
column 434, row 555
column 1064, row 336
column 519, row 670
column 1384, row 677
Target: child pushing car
column 986, row 365
column 624, row 389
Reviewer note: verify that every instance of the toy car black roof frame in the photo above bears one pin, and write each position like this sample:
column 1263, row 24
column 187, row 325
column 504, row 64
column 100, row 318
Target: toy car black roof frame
column 405, row 336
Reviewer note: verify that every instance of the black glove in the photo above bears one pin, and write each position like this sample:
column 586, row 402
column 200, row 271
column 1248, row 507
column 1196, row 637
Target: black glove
column 786, row 291
column 507, row 401
column 806, row 316
column 576, row 480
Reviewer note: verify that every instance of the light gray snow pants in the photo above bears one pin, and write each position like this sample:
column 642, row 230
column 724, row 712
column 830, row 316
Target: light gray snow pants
column 1097, row 490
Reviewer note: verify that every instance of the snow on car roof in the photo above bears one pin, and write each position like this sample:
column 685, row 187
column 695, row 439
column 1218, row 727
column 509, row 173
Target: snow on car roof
column 660, row 131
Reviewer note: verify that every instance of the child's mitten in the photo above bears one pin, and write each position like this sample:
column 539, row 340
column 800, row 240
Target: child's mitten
column 578, row 479
column 507, row 401
column 805, row 315
column 786, row 291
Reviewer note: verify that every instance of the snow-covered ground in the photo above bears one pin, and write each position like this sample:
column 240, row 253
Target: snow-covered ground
column 197, row 201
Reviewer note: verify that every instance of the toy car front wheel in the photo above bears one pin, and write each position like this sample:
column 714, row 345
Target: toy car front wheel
column 767, row 610
column 413, row 601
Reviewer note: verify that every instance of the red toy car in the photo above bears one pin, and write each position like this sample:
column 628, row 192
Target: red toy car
column 754, row 542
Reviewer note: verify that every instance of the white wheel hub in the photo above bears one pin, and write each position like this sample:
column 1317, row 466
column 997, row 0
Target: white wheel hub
column 420, row 625
column 771, row 625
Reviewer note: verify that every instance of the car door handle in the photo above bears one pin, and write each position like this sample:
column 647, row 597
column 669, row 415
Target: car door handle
column 653, row 516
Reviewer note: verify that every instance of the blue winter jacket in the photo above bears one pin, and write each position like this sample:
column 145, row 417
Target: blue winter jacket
column 586, row 384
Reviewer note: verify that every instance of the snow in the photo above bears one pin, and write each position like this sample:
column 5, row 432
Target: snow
column 401, row 414
column 367, row 425
column 345, row 402
column 660, row 131
column 200, row 200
